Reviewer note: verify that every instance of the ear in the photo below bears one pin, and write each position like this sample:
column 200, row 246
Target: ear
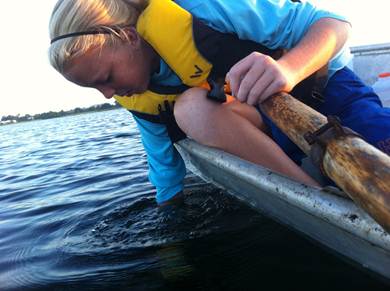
column 132, row 35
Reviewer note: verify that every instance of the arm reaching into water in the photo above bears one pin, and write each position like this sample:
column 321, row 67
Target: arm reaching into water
column 166, row 167
column 256, row 77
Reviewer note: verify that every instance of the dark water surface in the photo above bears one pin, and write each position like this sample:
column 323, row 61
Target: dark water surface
column 78, row 213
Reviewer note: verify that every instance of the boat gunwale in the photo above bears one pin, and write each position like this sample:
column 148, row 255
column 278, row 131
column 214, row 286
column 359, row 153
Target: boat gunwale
column 336, row 210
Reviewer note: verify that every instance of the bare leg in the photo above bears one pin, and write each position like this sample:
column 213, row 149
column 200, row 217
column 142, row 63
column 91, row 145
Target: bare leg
column 235, row 129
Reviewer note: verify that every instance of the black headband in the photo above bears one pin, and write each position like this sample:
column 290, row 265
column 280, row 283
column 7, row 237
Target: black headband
column 79, row 33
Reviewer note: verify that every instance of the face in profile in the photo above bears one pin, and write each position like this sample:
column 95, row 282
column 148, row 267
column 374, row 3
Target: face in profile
column 123, row 69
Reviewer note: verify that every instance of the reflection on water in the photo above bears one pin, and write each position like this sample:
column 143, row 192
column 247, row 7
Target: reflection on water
column 78, row 213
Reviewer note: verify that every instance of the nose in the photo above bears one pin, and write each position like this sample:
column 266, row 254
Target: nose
column 106, row 91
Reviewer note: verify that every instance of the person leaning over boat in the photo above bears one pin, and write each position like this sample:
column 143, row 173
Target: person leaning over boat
column 121, row 49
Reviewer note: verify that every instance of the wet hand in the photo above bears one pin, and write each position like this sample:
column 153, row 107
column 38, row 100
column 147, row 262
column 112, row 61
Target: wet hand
column 258, row 76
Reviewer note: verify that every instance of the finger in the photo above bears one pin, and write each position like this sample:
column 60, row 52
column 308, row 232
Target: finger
column 273, row 88
column 236, row 73
column 258, row 88
column 251, row 77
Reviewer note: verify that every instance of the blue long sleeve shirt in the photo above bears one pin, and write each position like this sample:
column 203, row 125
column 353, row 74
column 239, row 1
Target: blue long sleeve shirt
column 273, row 23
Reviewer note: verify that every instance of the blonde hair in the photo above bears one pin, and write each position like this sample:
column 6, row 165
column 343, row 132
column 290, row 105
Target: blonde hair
column 71, row 16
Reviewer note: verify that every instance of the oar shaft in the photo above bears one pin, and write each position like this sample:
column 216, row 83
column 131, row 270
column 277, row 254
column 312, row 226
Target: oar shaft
column 361, row 170
column 293, row 117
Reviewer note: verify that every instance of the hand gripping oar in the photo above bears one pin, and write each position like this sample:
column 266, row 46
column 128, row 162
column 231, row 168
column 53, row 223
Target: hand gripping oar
column 358, row 168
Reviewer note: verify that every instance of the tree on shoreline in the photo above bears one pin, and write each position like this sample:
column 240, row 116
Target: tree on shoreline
column 52, row 114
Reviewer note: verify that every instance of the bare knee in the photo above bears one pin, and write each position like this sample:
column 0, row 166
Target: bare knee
column 188, row 98
column 205, row 120
column 188, row 105
column 193, row 113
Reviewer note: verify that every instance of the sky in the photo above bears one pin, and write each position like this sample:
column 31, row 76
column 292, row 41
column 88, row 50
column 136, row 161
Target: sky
column 29, row 85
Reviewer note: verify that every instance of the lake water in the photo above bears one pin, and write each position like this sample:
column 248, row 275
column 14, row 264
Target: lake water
column 77, row 213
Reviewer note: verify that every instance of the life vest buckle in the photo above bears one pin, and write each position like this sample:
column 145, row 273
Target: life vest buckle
column 217, row 90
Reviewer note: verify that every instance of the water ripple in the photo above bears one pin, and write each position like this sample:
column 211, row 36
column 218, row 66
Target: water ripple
column 77, row 213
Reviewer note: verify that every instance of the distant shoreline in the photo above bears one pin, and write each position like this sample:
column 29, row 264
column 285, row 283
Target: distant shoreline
column 12, row 119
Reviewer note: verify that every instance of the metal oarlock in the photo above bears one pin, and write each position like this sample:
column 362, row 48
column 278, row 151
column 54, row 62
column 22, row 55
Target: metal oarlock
column 320, row 138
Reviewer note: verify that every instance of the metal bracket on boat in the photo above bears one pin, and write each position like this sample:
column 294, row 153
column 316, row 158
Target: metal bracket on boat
column 321, row 137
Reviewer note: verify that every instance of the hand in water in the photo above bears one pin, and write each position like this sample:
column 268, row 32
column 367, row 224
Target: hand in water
column 176, row 200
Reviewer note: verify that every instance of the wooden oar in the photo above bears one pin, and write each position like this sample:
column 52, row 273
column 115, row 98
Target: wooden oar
column 358, row 168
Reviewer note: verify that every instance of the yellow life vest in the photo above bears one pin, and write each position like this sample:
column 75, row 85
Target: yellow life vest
column 168, row 29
